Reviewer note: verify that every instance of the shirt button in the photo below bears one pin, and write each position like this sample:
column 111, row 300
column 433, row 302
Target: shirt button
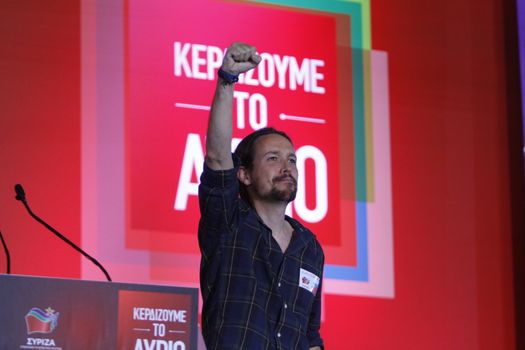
column 285, row 306
column 278, row 335
column 279, row 284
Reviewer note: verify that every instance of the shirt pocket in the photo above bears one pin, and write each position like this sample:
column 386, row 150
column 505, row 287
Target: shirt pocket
column 303, row 303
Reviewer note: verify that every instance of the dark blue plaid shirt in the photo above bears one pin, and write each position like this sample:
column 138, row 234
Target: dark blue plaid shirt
column 255, row 296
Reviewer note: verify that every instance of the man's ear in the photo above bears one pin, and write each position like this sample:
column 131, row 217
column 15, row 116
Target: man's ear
column 243, row 175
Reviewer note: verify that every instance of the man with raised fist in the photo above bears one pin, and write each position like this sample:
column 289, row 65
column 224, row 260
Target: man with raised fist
column 261, row 271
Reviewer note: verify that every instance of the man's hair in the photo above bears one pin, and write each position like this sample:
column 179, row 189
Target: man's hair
column 245, row 153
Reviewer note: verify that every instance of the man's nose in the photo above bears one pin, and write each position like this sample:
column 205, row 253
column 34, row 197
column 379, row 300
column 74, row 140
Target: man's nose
column 286, row 166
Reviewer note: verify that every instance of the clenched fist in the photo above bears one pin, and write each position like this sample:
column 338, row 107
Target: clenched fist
column 240, row 58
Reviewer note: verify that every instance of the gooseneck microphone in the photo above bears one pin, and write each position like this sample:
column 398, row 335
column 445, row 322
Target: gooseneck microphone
column 21, row 196
column 8, row 257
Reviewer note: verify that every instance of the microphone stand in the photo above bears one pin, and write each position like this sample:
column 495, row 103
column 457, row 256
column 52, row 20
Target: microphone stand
column 20, row 195
column 6, row 254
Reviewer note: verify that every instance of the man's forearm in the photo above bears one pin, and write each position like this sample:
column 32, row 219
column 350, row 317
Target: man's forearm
column 219, row 134
column 238, row 59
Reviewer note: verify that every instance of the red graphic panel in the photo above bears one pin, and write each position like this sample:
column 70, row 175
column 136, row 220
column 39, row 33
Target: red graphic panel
column 153, row 320
column 170, row 78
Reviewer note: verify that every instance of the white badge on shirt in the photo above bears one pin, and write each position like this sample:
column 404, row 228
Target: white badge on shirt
column 308, row 281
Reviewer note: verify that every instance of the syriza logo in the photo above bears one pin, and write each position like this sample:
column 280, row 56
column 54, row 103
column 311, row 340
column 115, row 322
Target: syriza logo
column 40, row 321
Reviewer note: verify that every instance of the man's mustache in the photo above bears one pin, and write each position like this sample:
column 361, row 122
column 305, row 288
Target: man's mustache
column 285, row 177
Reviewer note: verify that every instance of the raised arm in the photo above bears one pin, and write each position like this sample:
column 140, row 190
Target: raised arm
column 238, row 59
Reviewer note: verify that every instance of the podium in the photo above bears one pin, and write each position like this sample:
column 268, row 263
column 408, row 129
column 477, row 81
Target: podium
column 63, row 314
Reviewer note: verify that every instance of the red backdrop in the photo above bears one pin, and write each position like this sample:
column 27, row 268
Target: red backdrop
column 453, row 267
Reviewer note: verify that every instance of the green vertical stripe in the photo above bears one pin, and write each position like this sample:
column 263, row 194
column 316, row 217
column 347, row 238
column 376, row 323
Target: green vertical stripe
column 359, row 124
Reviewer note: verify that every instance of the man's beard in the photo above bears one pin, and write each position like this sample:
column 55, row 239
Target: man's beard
column 287, row 195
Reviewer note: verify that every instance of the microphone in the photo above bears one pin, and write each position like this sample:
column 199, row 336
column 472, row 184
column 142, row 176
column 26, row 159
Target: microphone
column 21, row 196
column 8, row 257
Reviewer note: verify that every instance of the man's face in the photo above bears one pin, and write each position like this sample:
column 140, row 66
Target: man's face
column 273, row 174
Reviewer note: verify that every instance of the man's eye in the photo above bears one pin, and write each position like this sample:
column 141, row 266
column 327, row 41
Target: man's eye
column 293, row 160
column 272, row 158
